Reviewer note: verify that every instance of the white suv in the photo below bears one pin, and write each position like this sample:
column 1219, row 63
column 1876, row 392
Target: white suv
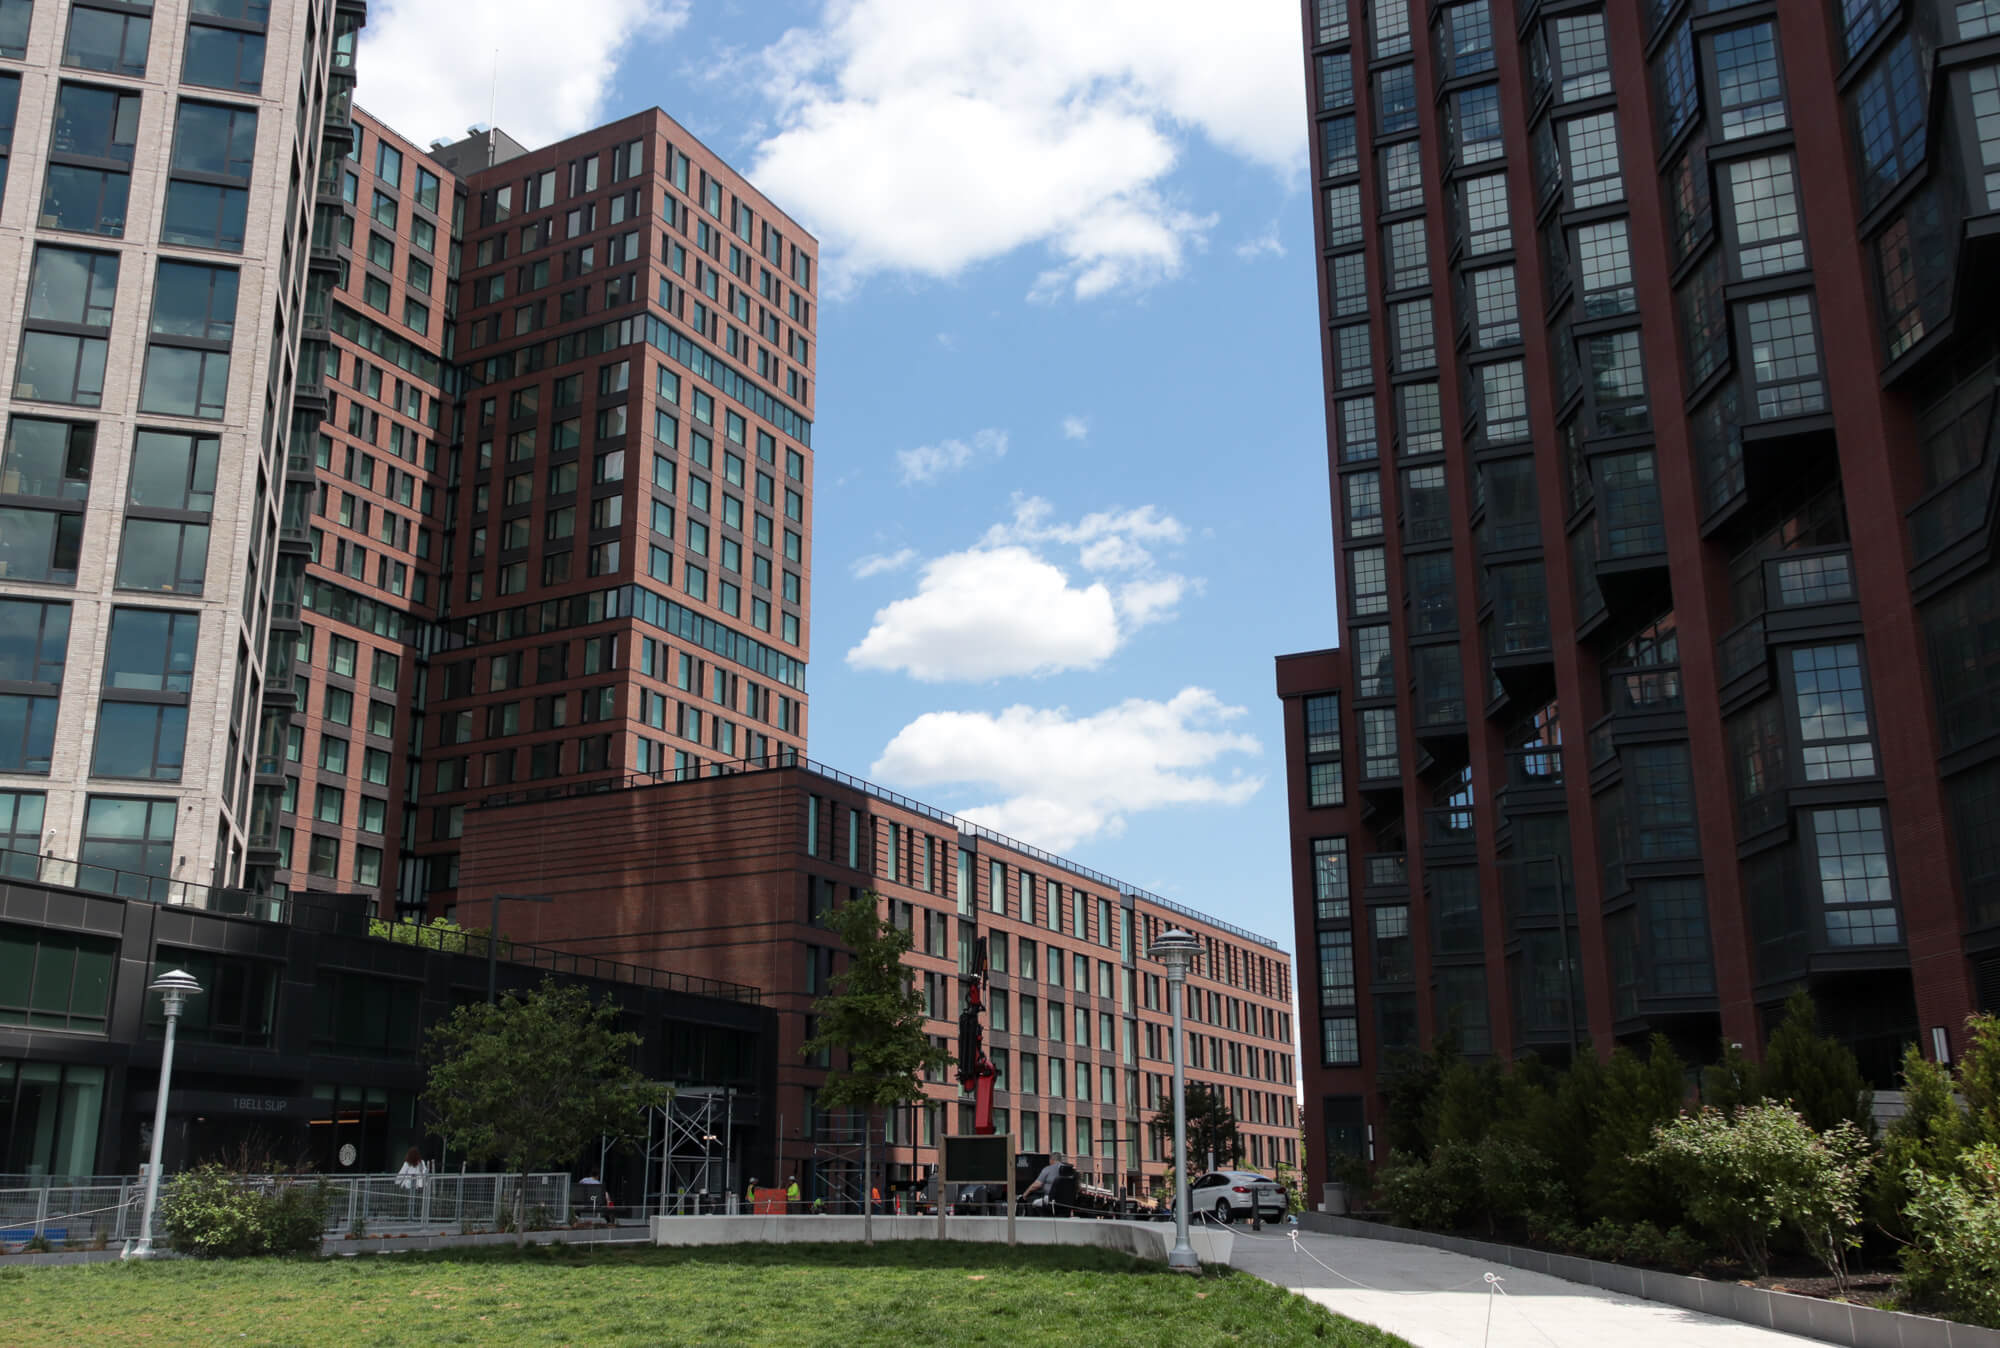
column 1228, row 1194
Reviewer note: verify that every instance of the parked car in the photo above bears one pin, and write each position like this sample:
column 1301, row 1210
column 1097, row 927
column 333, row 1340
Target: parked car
column 1227, row 1194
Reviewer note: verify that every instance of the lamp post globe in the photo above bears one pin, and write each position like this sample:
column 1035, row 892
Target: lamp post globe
column 174, row 987
column 1178, row 950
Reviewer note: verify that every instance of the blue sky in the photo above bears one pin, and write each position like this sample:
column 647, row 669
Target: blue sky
column 1070, row 455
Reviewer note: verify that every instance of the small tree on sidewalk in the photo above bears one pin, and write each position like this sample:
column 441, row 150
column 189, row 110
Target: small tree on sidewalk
column 1211, row 1128
column 531, row 1081
column 875, row 1017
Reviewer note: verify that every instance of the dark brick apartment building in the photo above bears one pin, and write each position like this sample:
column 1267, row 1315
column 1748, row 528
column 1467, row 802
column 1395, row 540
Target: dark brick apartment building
column 1660, row 389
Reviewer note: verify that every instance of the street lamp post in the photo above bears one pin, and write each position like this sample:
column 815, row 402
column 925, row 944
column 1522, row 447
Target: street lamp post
column 493, row 938
column 1177, row 950
column 174, row 989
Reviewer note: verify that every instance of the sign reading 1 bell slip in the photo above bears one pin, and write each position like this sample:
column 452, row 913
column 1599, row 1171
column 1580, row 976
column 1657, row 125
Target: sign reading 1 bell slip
column 974, row 1159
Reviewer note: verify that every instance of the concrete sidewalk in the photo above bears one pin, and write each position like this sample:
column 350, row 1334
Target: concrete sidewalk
column 1436, row 1299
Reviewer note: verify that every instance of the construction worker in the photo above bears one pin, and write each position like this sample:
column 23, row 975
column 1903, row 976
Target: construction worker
column 750, row 1196
column 792, row 1194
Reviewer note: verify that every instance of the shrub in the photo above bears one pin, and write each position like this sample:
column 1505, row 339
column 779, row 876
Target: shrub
column 1515, row 1179
column 1743, row 1177
column 1954, row 1262
column 1929, row 1136
column 1440, row 1194
column 213, row 1213
column 1816, row 1075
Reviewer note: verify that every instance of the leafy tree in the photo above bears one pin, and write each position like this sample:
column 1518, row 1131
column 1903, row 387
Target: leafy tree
column 1928, row 1138
column 1410, row 1084
column 1979, row 1076
column 530, row 1081
column 1467, row 1101
column 875, row 1015
column 1211, row 1128
column 1636, row 1095
column 1816, row 1074
column 1954, row 1261
column 1744, row 1176
column 1732, row 1083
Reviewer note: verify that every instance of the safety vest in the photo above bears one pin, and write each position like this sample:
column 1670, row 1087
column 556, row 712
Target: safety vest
column 792, row 1191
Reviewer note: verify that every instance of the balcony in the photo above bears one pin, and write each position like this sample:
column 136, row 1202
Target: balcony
column 1449, row 833
column 1534, row 779
column 1809, row 591
column 1387, row 874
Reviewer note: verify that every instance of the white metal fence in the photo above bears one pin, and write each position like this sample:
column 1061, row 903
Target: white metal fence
column 108, row 1208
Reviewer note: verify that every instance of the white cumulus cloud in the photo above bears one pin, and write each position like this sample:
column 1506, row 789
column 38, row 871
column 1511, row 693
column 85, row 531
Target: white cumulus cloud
column 881, row 563
column 1075, row 428
column 927, row 136
column 1003, row 608
column 928, row 463
column 1266, row 244
column 543, row 73
column 1058, row 779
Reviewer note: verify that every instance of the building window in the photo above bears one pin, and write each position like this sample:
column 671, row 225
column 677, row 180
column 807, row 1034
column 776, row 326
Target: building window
column 208, row 190
column 1502, row 409
column 1419, row 419
column 1591, row 145
column 166, row 532
column 1402, row 176
column 21, row 833
column 1378, row 743
column 1583, row 62
column 1852, row 849
column 1982, row 84
column 1890, row 119
column 1343, row 215
column 1364, row 504
column 1340, row 1041
column 1330, row 892
column 90, row 158
column 1374, row 658
column 1496, row 319
column 112, row 41
column 1750, row 95
column 1784, row 354
column 1475, row 125
column 1617, row 383
column 1604, row 265
column 1406, row 245
column 1389, row 928
column 1336, row 82
column 17, row 15
column 1764, row 208
column 65, row 336
column 1339, row 155
column 1462, row 1014
column 187, row 357
column 1347, row 284
column 128, row 847
column 142, row 714
column 229, row 57
column 1368, row 581
column 1486, row 225
column 1660, row 801
column 1465, row 40
column 1395, row 100
column 1416, row 348
column 54, row 980
column 1832, row 711
column 1336, row 968
column 1677, row 942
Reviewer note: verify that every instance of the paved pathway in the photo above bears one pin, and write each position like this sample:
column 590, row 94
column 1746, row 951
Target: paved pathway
column 1437, row 1299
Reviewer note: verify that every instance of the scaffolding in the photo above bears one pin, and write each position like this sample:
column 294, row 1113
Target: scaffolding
column 842, row 1147
column 691, row 1158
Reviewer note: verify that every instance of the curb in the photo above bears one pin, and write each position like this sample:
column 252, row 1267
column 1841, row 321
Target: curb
column 1835, row 1322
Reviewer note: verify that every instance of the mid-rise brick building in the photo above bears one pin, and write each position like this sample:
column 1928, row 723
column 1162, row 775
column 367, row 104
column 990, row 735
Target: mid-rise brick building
column 728, row 876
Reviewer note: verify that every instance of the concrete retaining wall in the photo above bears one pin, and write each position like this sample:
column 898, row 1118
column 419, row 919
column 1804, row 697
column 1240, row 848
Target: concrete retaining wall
column 1145, row 1240
column 1812, row 1317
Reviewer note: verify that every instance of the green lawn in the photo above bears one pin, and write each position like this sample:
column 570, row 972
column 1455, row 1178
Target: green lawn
column 907, row 1293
